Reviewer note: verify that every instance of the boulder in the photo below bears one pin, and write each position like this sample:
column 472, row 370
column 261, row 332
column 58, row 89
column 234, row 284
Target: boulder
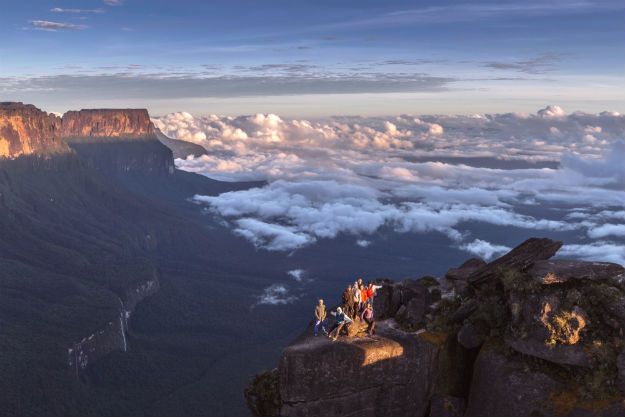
column 501, row 386
column 356, row 328
column 464, row 311
column 563, row 270
column 387, row 375
column 470, row 336
column 463, row 272
column 546, row 329
column 415, row 310
column 519, row 259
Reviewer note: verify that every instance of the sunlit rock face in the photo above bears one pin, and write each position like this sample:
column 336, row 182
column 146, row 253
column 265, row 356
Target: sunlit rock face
column 25, row 130
column 391, row 374
column 127, row 123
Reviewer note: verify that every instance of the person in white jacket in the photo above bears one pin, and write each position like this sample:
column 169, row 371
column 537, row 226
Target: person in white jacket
column 357, row 298
column 341, row 320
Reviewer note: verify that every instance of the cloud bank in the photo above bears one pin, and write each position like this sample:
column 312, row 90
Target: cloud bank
column 546, row 172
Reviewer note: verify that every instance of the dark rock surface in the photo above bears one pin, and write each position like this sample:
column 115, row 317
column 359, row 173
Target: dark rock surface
column 564, row 270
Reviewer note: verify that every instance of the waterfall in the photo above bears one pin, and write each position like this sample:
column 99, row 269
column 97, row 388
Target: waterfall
column 122, row 329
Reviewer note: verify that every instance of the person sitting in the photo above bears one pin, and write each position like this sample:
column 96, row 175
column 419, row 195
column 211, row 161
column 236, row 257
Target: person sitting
column 320, row 317
column 341, row 320
column 367, row 317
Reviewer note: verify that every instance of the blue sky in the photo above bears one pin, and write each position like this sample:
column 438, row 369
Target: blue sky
column 314, row 58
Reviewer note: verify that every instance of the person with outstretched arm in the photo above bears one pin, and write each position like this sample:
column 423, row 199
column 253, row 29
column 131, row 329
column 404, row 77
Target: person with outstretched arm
column 341, row 320
column 320, row 317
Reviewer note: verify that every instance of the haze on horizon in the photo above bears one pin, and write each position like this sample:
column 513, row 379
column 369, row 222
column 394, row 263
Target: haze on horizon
column 315, row 59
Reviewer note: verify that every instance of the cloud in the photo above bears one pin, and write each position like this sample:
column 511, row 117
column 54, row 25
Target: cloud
column 484, row 249
column 55, row 26
column 595, row 251
column 606, row 230
column 275, row 294
column 536, row 65
column 113, row 2
column 297, row 274
column 363, row 243
column 63, row 10
column 551, row 112
column 454, row 175
column 158, row 84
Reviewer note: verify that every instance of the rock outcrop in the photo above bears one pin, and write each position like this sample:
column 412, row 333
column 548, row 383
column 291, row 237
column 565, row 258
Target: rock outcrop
column 521, row 336
column 26, row 130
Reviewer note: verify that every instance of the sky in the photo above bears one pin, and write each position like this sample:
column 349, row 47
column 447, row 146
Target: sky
column 314, row 58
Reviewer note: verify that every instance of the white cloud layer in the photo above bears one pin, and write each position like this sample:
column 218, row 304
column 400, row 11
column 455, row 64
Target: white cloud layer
column 550, row 171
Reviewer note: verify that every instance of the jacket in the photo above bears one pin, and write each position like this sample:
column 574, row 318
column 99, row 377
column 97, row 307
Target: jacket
column 363, row 297
column 320, row 312
column 357, row 294
column 348, row 296
column 341, row 318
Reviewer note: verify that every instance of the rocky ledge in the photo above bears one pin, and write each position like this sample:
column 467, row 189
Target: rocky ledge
column 520, row 336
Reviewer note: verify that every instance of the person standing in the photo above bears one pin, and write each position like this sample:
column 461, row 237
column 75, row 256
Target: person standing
column 372, row 290
column 357, row 298
column 348, row 300
column 320, row 317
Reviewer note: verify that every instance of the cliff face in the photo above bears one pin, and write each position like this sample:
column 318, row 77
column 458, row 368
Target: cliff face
column 128, row 123
column 117, row 141
column 112, row 336
column 25, row 130
column 522, row 336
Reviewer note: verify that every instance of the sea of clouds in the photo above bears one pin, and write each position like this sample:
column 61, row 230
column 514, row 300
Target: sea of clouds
column 549, row 171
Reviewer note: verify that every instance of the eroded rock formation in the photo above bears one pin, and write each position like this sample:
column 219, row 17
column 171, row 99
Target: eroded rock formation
column 520, row 336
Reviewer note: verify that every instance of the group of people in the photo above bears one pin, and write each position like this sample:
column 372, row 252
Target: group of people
column 357, row 302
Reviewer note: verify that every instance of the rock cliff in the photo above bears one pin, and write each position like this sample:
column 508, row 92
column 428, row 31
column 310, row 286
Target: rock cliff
column 26, row 130
column 124, row 123
column 520, row 336
column 109, row 140
column 112, row 336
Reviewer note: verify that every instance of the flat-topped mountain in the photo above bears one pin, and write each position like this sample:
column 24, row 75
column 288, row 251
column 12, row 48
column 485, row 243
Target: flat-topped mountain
column 111, row 140
column 125, row 123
